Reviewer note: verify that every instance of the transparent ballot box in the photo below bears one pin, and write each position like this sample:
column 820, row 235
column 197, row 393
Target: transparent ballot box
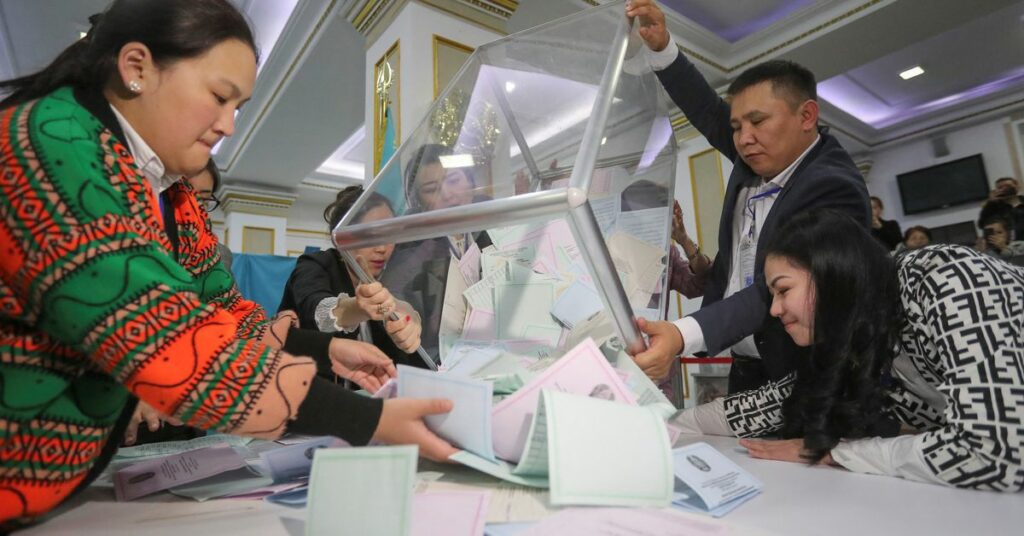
column 532, row 204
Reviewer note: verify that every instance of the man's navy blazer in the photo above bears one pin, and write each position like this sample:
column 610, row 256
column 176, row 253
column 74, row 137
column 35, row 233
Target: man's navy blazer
column 827, row 177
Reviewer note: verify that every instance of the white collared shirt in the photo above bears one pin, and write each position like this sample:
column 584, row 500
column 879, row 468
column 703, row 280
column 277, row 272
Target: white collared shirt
column 693, row 335
column 660, row 60
column 145, row 158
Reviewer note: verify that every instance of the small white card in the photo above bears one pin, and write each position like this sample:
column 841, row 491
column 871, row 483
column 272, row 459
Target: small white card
column 707, row 481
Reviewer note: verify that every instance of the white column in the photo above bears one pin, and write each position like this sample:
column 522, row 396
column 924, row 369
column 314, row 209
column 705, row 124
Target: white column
column 414, row 27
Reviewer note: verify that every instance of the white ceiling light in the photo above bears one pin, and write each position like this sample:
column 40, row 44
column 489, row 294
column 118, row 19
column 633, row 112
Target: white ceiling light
column 510, row 87
column 456, row 161
column 912, row 72
column 81, row 35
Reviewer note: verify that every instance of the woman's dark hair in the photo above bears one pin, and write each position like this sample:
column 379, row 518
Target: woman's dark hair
column 211, row 168
column 425, row 155
column 996, row 212
column 838, row 392
column 344, row 201
column 917, row 229
column 172, row 30
column 644, row 194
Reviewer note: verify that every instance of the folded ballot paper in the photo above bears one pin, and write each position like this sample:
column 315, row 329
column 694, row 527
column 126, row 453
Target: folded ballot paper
column 221, row 469
column 576, row 428
column 468, row 424
column 151, row 476
column 706, row 481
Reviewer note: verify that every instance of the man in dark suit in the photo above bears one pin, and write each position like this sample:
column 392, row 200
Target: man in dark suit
column 784, row 164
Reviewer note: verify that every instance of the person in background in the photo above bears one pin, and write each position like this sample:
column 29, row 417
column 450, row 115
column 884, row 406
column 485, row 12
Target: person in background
column 327, row 296
column 432, row 186
column 422, row 276
column 915, row 237
column 109, row 284
column 996, row 227
column 686, row 276
column 885, row 231
column 943, row 325
column 206, row 184
column 784, row 164
column 1007, row 191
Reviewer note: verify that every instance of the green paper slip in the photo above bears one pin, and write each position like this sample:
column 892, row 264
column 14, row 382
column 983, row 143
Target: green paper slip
column 167, row 448
column 605, row 453
column 498, row 469
column 365, row 490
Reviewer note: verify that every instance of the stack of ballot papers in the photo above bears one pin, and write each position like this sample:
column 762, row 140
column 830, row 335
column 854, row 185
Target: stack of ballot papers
column 574, row 426
column 216, row 466
column 707, row 481
column 532, row 282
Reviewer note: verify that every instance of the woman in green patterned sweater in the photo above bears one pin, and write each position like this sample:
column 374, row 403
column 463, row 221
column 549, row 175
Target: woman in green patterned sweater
column 111, row 289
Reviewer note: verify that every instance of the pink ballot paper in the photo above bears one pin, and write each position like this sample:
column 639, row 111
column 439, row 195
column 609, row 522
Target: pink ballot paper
column 582, row 371
column 151, row 476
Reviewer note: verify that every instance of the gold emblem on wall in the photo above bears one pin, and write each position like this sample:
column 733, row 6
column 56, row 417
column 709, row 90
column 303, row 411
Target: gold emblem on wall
column 387, row 102
column 456, row 125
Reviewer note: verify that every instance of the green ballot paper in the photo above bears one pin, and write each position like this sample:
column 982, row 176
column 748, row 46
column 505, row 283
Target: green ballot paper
column 364, row 490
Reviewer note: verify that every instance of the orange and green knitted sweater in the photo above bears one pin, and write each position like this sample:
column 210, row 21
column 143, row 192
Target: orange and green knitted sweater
column 94, row 307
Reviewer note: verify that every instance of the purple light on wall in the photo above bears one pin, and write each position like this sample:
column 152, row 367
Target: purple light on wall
column 851, row 98
column 733, row 21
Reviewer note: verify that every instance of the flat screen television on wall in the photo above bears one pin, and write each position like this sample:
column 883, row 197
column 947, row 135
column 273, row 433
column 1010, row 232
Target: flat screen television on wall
column 946, row 185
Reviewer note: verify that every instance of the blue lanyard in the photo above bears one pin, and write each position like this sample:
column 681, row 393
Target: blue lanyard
column 752, row 209
column 458, row 252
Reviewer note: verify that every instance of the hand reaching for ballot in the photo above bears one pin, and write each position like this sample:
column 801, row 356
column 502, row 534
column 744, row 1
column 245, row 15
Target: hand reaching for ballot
column 401, row 422
column 361, row 363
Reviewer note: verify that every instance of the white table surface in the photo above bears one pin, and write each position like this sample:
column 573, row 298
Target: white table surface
column 796, row 500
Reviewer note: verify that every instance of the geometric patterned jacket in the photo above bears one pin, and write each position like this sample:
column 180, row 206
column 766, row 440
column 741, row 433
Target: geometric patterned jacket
column 962, row 336
column 94, row 307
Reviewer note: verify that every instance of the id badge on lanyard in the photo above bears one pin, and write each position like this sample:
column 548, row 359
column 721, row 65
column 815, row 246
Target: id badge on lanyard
column 748, row 244
column 747, row 252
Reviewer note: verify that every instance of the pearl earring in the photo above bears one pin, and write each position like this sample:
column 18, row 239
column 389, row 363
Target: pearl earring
column 135, row 86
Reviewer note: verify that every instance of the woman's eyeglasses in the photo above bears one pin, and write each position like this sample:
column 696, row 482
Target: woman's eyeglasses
column 210, row 202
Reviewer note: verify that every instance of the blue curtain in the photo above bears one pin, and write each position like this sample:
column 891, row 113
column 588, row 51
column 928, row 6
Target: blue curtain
column 261, row 278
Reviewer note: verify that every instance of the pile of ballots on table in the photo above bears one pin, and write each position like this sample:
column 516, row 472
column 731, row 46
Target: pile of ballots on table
column 546, row 401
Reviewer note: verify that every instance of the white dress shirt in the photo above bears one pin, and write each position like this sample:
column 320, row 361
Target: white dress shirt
column 145, row 158
column 693, row 335
column 749, row 215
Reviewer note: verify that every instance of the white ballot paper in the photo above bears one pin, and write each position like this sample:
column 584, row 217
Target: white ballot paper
column 707, row 481
column 650, row 225
column 583, row 370
column 518, row 306
column 468, row 424
column 151, row 476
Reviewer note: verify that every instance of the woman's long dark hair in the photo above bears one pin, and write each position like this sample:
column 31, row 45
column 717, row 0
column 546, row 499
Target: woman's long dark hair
column 838, row 392
column 172, row 29
column 344, row 201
